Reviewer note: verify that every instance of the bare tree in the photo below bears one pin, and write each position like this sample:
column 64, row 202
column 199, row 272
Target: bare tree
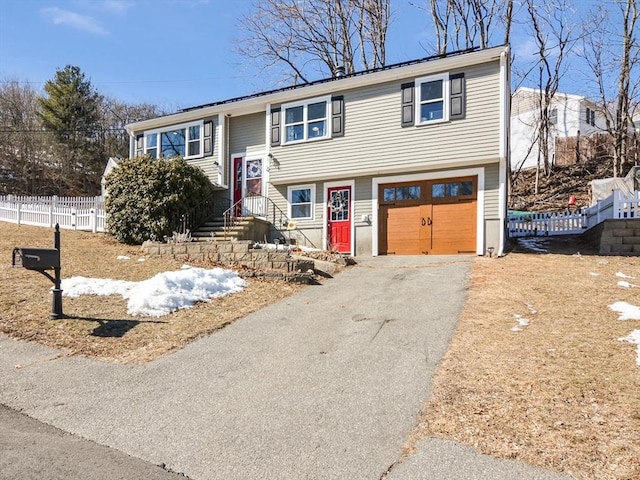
column 613, row 47
column 22, row 141
column 463, row 24
column 552, row 34
column 303, row 38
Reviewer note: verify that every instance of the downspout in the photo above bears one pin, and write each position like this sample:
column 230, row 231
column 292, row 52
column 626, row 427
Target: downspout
column 505, row 104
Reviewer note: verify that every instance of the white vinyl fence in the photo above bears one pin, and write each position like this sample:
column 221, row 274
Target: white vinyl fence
column 616, row 206
column 74, row 213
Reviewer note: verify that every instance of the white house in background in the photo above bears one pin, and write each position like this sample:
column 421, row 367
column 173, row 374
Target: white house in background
column 571, row 116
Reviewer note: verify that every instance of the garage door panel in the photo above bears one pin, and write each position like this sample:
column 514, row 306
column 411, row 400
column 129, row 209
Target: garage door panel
column 403, row 230
column 454, row 228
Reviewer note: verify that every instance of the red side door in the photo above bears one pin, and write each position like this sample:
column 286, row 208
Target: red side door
column 339, row 219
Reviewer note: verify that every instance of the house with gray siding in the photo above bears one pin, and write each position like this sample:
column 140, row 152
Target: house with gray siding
column 408, row 159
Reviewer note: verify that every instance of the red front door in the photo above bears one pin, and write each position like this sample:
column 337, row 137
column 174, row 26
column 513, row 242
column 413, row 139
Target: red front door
column 237, row 182
column 339, row 219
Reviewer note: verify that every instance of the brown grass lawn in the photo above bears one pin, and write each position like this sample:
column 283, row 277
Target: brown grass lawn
column 562, row 393
column 99, row 326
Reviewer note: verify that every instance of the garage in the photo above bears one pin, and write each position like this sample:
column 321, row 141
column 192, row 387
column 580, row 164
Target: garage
column 428, row 217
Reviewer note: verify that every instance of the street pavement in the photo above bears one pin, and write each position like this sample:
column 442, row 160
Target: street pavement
column 325, row 384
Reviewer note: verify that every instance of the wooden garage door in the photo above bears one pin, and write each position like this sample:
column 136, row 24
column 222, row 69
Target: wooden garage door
column 428, row 217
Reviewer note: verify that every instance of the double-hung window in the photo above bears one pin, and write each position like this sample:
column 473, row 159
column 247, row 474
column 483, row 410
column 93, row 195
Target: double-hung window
column 182, row 140
column 306, row 120
column 432, row 103
column 301, row 200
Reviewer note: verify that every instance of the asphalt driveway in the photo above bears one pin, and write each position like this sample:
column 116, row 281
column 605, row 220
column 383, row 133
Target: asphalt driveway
column 326, row 384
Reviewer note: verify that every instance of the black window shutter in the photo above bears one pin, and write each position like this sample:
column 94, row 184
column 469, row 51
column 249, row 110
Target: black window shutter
column 208, row 138
column 275, row 126
column 337, row 116
column 139, row 145
column 457, row 88
column 408, row 94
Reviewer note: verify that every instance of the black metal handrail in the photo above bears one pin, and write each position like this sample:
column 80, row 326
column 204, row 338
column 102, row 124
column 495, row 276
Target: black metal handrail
column 264, row 207
column 212, row 207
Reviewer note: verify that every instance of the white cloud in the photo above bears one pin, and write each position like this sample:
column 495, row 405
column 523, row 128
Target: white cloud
column 118, row 7
column 85, row 23
column 525, row 50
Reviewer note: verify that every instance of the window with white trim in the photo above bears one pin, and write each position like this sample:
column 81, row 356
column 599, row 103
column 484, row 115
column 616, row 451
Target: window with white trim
column 301, row 201
column 182, row 140
column 432, row 99
column 305, row 121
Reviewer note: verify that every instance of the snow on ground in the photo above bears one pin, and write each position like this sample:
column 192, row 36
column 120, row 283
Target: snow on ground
column 624, row 284
column 522, row 322
column 162, row 294
column 633, row 337
column 282, row 246
column 594, row 274
column 622, row 275
column 629, row 312
column 123, row 257
column 535, row 244
column 626, row 311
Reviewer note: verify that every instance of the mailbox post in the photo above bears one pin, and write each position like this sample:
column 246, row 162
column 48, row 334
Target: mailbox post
column 41, row 260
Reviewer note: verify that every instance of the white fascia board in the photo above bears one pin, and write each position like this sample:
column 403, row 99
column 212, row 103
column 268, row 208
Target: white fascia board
column 260, row 102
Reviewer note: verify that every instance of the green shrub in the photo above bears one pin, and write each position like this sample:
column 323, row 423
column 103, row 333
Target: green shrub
column 145, row 197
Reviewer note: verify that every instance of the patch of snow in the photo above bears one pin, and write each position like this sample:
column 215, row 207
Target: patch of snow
column 594, row 274
column 603, row 262
column 142, row 259
column 532, row 310
column 624, row 284
column 123, row 257
column 633, row 337
column 622, row 275
column 626, row 311
column 535, row 244
column 282, row 246
column 162, row 294
column 522, row 322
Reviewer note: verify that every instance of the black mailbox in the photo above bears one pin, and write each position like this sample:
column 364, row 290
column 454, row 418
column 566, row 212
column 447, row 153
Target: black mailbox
column 39, row 259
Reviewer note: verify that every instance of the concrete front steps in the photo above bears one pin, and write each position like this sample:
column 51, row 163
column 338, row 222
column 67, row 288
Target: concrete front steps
column 245, row 228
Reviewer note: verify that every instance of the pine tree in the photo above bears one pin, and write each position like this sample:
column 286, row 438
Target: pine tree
column 71, row 112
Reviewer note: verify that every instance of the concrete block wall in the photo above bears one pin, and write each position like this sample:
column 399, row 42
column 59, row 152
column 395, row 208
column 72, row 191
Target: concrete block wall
column 616, row 237
column 233, row 253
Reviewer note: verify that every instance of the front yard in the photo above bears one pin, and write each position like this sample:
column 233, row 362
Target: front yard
column 537, row 371
column 99, row 326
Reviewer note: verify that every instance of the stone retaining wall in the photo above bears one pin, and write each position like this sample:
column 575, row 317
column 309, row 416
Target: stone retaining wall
column 233, row 253
column 616, row 237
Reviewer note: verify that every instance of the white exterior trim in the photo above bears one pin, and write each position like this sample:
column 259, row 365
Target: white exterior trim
column 325, row 199
column 220, row 136
column 505, row 125
column 466, row 172
column 444, row 77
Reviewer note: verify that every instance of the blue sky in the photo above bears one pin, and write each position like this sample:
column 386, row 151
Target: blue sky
column 174, row 53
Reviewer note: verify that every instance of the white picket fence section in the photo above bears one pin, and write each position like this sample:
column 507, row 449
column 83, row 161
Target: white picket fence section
column 74, row 213
column 616, row 206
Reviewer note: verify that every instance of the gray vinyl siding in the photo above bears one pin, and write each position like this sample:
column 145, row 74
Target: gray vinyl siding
column 492, row 191
column 374, row 140
column 209, row 163
column 247, row 133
